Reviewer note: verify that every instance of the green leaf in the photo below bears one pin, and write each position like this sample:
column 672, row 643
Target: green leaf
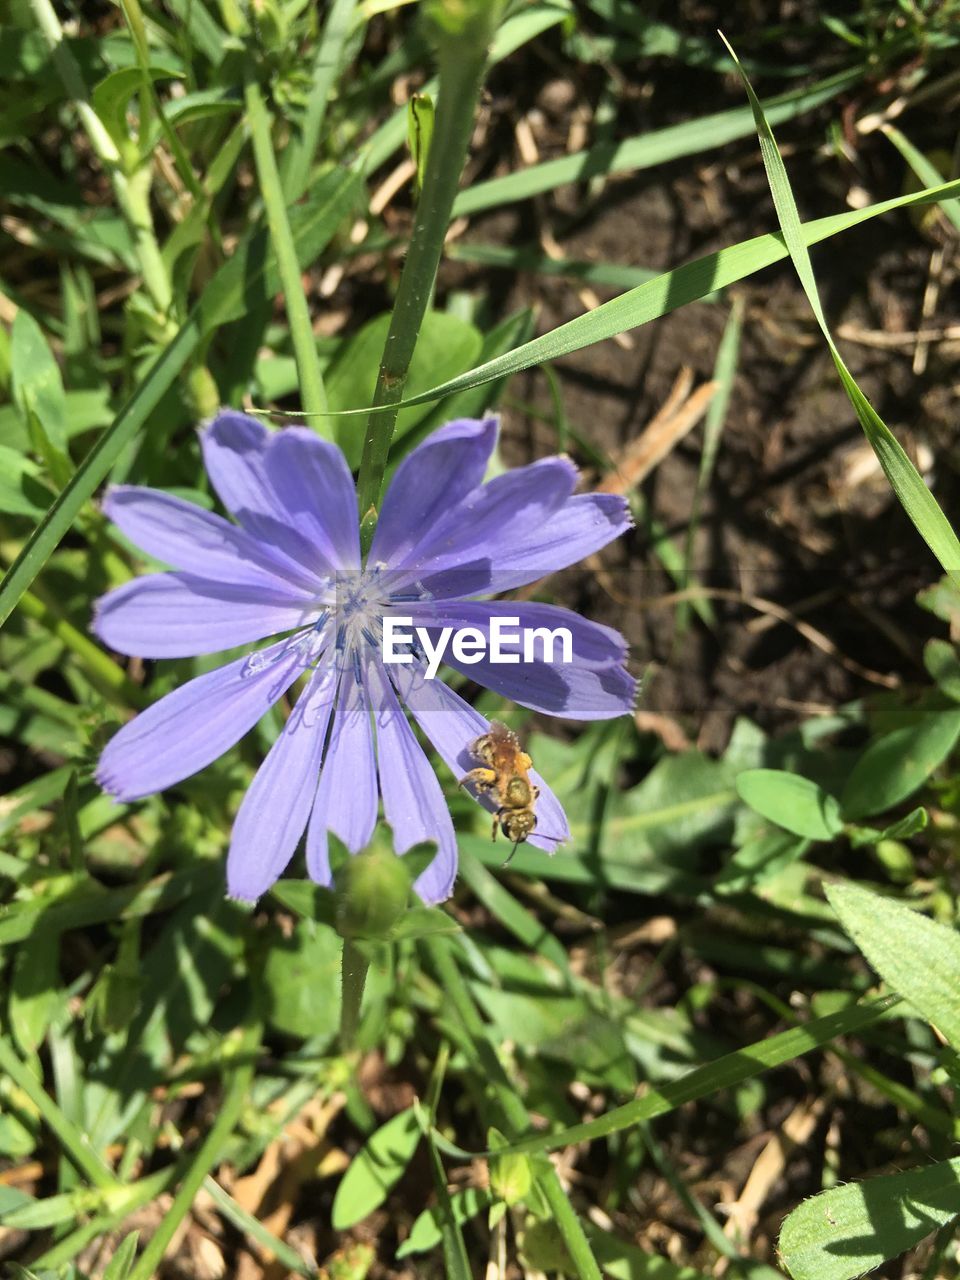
column 113, row 93
column 426, row 1234
column 916, row 956
column 943, row 665
column 423, row 922
column 37, row 385
column 21, row 493
column 723, row 1073
column 792, row 802
column 668, row 292
column 896, row 765
column 375, row 1169
column 848, row 1230
column 910, row 824
column 446, row 346
column 35, row 989
column 300, row 982
column 122, row 1260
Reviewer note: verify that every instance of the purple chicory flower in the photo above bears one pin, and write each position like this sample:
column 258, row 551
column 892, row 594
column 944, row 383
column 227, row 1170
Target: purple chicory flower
column 291, row 568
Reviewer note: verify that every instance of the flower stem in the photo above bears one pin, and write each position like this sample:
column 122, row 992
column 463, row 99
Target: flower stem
column 353, row 979
column 132, row 196
column 312, row 392
column 462, row 63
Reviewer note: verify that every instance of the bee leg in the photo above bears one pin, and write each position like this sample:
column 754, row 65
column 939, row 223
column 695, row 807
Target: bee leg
column 496, row 824
column 481, row 779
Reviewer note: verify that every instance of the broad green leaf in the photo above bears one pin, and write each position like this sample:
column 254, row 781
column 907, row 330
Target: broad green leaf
column 851, row 1229
column 35, row 993
column 914, row 496
column 916, row 956
column 896, row 765
column 795, row 803
column 300, row 982
column 375, row 1169
column 249, row 276
column 21, row 493
column 113, row 93
column 37, row 385
column 943, row 665
column 446, row 346
column 425, row 1233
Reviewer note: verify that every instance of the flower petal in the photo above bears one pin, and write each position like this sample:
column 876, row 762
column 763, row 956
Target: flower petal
column 198, row 542
column 235, row 449
column 233, row 446
column 516, row 556
column 275, row 809
column 504, row 509
column 173, row 615
column 183, row 732
column 452, row 725
column 594, row 685
column 413, row 801
column 313, row 482
column 432, row 479
column 346, row 799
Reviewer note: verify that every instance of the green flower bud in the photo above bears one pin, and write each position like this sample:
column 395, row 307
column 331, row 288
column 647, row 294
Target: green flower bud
column 372, row 890
column 202, row 393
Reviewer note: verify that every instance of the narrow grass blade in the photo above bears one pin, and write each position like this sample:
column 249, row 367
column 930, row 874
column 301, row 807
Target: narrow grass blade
column 915, row 498
column 926, row 172
column 692, row 137
column 731, row 1069
column 666, row 293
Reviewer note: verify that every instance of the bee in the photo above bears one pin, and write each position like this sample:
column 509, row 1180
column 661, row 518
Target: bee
column 503, row 772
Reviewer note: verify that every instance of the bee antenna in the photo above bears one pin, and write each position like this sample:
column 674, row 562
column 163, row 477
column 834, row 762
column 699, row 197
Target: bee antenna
column 516, row 845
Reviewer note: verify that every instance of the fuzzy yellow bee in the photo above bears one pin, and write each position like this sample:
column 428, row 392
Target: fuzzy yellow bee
column 503, row 772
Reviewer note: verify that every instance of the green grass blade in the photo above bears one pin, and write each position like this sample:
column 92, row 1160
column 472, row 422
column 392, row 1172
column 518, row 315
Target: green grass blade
column 724, row 1073
column 915, row 498
column 926, row 172
column 658, row 297
column 692, row 137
